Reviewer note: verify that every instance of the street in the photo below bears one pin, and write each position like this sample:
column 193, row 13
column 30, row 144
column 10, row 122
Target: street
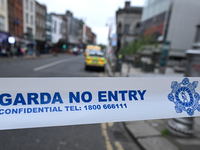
column 105, row 136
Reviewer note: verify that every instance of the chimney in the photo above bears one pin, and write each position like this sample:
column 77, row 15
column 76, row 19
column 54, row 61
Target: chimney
column 127, row 4
column 69, row 13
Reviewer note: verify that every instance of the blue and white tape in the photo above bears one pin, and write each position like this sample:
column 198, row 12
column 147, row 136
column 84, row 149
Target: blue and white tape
column 42, row 102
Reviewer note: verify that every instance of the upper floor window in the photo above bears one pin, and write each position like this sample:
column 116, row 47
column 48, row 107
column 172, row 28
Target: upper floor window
column 119, row 27
column 31, row 19
column 26, row 4
column 26, row 17
column 61, row 28
column 126, row 28
column 54, row 26
column 198, row 35
column 31, row 5
column 3, row 3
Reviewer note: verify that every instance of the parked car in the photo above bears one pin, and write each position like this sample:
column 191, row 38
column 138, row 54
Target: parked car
column 95, row 59
column 75, row 51
column 91, row 47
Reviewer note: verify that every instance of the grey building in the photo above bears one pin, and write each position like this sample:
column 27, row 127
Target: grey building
column 40, row 26
column 81, row 31
column 127, row 21
column 73, row 29
column 173, row 21
column 29, row 19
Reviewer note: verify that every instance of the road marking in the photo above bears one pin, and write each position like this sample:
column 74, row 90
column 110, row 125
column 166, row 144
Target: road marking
column 53, row 64
column 119, row 146
column 110, row 124
column 101, row 74
column 105, row 134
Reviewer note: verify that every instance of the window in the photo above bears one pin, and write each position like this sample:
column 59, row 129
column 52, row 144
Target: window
column 26, row 4
column 48, row 37
column 119, row 27
column 126, row 28
column 54, row 26
column 2, row 23
column 31, row 20
column 26, row 17
column 2, row 3
column 31, row 5
column 29, row 31
column 198, row 35
column 61, row 28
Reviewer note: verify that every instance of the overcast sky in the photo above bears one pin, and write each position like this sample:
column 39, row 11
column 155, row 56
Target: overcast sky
column 95, row 13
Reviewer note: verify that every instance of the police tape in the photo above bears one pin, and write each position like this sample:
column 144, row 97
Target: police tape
column 43, row 102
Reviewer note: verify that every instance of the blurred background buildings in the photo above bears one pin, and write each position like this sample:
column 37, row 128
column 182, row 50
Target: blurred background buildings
column 172, row 21
column 128, row 20
column 28, row 22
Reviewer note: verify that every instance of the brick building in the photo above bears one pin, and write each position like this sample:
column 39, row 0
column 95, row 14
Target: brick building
column 15, row 17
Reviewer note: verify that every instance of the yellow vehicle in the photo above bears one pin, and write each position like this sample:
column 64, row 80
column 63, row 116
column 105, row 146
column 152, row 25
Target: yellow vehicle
column 91, row 47
column 95, row 59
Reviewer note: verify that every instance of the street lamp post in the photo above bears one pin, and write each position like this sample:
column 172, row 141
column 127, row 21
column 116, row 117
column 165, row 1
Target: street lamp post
column 184, row 126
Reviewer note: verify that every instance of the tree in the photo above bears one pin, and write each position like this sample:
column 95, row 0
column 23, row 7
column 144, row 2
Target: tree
column 102, row 46
column 138, row 46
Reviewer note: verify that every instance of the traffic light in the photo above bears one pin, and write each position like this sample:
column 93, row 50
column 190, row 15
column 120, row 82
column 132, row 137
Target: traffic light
column 64, row 46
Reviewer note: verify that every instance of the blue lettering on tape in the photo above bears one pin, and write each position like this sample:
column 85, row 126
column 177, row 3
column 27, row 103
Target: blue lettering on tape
column 32, row 98
column 105, row 96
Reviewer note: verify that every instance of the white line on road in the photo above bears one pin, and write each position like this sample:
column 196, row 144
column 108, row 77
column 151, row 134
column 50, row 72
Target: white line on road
column 53, row 64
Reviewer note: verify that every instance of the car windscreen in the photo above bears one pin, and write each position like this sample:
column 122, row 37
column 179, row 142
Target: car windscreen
column 96, row 53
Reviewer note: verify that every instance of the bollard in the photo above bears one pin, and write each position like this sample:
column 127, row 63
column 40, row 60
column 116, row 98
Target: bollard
column 118, row 65
column 183, row 127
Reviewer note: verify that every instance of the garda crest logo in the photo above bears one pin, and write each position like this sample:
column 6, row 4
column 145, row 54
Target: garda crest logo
column 184, row 96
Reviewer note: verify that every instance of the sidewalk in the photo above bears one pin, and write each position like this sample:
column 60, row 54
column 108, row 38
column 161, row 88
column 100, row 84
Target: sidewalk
column 136, row 72
column 152, row 134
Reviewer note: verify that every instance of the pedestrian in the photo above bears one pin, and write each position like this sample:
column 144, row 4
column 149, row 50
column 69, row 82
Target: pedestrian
column 26, row 50
column 22, row 51
column 18, row 51
column 3, row 51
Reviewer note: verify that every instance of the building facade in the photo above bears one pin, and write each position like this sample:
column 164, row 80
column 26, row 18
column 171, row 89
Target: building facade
column 127, row 20
column 29, row 19
column 173, row 21
column 40, row 26
column 94, row 42
column 73, row 29
column 70, row 32
column 4, row 16
column 56, row 28
column 88, row 35
column 80, row 38
column 15, row 18
column 155, row 17
column 64, row 29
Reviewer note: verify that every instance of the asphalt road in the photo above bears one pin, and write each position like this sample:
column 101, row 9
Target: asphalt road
column 105, row 136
